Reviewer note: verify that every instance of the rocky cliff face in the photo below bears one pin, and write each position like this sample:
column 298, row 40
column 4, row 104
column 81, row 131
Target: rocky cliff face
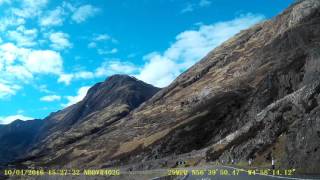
column 255, row 96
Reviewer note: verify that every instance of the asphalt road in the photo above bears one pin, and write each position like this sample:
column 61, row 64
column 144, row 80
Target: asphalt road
column 230, row 173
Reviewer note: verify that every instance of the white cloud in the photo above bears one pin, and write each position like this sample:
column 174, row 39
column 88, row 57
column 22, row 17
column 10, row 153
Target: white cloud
column 190, row 7
column 84, row 75
column 10, row 119
column 60, row 41
column 115, row 67
column 79, row 97
column 34, row 61
column 18, row 66
column 92, row 45
column 204, row 3
column 43, row 88
column 159, row 70
column 189, row 47
column 10, row 22
column 30, row 8
column 11, row 65
column 109, row 67
column 23, row 37
column 97, row 39
column 20, row 72
column 68, row 6
column 50, row 98
column 101, row 37
column 45, row 62
column 65, row 78
column 84, row 12
column 53, row 18
column 9, row 53
column 20, row 111
column 8, row 90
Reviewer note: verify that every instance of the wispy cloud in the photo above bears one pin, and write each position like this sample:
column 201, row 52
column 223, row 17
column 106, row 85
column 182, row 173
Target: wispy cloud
column 23, row 37
column 50, row 98
column 189, row 47
column 106, row 51
column 188, row 8
column 65, row 78
column 92, row 45
column 7, row 90
column 82, row 13
column 101, row 37
column 10, row 119
column 77, row 98
column 204, row 3
column 53, row 18
column 60, row 41
column 30, row 8
column 43, row 88
column 115, row 67
column 9, row 21
column 107, row 68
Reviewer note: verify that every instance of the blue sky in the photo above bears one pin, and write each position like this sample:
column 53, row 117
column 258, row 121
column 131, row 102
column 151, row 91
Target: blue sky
column 52, row 51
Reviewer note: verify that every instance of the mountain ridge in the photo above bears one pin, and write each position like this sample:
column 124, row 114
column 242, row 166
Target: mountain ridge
column 123, row 90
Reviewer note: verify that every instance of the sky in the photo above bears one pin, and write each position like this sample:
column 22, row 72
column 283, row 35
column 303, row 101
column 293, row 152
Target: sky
column 52, row 51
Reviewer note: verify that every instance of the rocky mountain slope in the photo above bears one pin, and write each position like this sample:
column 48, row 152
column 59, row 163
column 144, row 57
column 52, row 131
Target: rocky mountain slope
column 255, row 96
column 104, row 104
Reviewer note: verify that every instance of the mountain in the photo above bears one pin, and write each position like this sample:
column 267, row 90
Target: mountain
column 254, row 97
column 16, row 138
column 104, row 104
column 119, row 93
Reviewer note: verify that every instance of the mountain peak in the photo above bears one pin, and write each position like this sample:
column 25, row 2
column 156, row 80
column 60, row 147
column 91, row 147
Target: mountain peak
column 120, row 77
column 105, row 103
column 119, row 89
column 115, row 91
